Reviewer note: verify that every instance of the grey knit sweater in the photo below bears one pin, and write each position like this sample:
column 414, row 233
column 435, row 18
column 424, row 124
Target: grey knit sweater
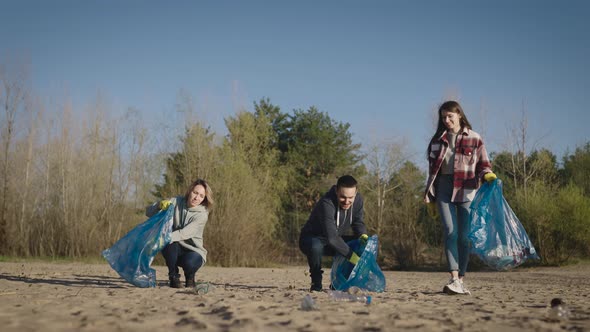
column 189, row 224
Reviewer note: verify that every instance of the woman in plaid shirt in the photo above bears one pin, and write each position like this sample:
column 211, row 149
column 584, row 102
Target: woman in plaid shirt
column 457, row 161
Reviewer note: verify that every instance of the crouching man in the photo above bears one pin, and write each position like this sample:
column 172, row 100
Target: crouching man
column 323, row 234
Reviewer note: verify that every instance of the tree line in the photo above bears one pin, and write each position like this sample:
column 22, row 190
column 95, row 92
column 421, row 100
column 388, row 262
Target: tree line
column 73, row 186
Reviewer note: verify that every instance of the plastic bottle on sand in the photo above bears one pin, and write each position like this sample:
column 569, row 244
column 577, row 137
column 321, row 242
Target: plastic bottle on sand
column 202, row 288
column 354, row 294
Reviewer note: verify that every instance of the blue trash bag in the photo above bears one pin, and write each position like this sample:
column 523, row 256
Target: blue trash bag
column 496, row 234
column 133, row 254
column 365, row 275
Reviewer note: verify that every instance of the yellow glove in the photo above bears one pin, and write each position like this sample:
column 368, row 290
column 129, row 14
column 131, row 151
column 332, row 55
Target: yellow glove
column 164, row 204
column 354, row 259
column 489, row 177
column 363, row 238
column 432, row 210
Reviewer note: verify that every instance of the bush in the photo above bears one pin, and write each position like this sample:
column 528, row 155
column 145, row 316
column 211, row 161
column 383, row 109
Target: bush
column 557, row 222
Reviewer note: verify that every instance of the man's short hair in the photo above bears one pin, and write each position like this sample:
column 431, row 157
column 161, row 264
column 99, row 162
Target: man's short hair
column 346, row 181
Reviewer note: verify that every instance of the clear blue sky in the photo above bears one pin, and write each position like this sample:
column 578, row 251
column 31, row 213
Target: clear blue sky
column 382, row 66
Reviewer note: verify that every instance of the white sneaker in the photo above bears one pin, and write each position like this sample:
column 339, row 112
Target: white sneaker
column 453, row 287
column 465, row 290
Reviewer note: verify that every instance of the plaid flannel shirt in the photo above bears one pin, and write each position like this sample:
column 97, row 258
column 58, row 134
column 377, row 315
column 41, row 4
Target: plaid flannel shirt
column 471, row 164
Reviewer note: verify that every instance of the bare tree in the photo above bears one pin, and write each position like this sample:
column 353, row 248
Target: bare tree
column 521, row 170
column 14, row 91
column 382, row 163
column 25, row 190
column 393, row 203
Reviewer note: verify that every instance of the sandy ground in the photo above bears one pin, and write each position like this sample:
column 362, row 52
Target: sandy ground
column 91, row 297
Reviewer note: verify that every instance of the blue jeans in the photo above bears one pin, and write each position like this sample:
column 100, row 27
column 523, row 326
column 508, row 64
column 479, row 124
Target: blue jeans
column 179, row 256
column 455, row 219
column 315, row 247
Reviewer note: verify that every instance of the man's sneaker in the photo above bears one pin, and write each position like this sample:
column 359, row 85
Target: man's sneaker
column 465, row 290
column 453, row 287
column 316, row 288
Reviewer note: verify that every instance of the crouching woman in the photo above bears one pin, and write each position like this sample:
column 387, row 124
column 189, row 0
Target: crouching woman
column 186, row 250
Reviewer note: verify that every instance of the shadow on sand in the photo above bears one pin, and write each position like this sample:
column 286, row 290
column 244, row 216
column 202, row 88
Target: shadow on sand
column 76, row 281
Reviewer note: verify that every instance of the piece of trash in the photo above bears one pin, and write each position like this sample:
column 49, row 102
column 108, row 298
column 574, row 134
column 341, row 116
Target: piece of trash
column 354, row 294
column 308, row 304
column 202, row 288
column 354, row 290
column 558, row 310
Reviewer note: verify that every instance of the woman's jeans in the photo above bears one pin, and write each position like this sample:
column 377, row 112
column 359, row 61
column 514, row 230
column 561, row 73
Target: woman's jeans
column 177, row 255
column 455, row 219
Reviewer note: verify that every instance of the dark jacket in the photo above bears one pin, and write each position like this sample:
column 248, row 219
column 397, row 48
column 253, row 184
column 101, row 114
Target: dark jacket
column 322, row 222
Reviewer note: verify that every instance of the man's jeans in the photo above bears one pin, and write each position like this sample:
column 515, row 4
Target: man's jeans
column 315, row 248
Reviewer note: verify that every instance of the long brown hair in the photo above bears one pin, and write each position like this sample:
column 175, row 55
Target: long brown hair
column 208, row 201
column 449, row 106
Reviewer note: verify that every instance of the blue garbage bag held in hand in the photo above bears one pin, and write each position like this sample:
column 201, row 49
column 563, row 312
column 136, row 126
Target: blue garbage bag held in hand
column 133, row 254
column 497, row 236
column 365, row 275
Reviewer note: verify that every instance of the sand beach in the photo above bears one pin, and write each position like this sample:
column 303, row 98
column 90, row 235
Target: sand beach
column 40, row 296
